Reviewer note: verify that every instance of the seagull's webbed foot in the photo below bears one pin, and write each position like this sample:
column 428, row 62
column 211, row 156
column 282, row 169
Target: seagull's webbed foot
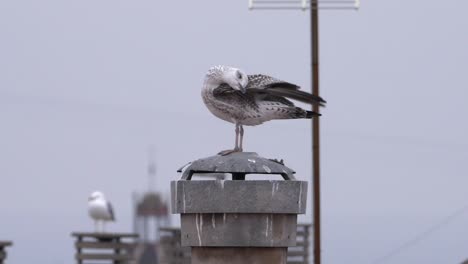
column 229, row 151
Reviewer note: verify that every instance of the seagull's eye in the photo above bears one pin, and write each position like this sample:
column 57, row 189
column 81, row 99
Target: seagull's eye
column 239, row 75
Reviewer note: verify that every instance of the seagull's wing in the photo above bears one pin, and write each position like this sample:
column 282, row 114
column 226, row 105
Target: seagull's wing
column 263, row 96
column 260, row 80
column 223, row 89
column 111, row 210
column 259, row 83
column 251, row 98
column 226, row 93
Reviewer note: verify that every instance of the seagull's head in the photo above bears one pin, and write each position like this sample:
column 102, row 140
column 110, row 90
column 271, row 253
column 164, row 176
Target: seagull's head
column 234, row 77
column 96, row 195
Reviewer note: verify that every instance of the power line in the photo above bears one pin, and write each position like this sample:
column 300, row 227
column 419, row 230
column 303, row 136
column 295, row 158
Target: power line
column 117, row 109
column 83, row 105
column 422, row 235
column 394, row 140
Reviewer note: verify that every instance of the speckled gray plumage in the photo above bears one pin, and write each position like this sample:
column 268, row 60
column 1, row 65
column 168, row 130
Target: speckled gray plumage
column 281, row 88
column 251, row 100
column 266, row 98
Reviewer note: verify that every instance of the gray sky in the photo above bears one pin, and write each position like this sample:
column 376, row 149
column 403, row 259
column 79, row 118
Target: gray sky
column 86, row 86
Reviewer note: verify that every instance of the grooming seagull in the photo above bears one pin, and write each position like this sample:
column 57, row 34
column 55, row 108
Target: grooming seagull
column 100, row 210
column 232, row 95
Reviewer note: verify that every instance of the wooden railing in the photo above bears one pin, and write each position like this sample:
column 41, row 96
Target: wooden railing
column 104, row 246
column 300, row 253
column 3, row 253
column 170, row 250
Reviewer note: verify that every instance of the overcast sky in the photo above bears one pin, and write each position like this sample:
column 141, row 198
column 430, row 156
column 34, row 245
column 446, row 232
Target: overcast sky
column 87, row 86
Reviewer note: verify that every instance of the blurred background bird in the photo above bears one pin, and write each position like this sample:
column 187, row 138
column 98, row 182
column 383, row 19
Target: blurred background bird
column 100, row 210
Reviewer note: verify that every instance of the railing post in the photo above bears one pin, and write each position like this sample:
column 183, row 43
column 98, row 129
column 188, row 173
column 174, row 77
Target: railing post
column 3, row 253
column 110, row 247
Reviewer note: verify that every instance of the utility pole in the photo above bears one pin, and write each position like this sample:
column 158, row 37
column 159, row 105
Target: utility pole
column 314, row 6
column 316, row 217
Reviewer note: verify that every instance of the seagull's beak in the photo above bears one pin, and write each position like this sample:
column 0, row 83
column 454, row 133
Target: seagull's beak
column 242, row 88
column 90, row 199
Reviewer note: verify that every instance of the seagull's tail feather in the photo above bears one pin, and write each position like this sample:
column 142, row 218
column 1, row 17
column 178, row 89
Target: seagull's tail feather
column 310, row 114
column 301, row 113
column 298, row 95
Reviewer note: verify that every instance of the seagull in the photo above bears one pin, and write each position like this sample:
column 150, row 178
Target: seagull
column 100, row 210
column 233, row 96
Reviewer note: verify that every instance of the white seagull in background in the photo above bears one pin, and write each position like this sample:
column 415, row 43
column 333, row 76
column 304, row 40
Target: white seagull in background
column 100, row 210
column 232, row 95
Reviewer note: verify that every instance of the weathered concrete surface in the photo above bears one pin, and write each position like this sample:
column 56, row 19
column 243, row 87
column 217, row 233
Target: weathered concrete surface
column 239, row 255
column 240, row 162
column 220, row 196
column 239, row 230
column 238, row 221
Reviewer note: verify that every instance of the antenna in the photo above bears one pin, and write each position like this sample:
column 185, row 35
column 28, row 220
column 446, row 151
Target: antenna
column 313, row 6
column 151, row 167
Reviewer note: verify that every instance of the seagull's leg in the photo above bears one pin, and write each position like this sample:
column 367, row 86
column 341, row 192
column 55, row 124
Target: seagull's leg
column 95, row 226
column 236, row 148
column 241, row 137
column 103, row 226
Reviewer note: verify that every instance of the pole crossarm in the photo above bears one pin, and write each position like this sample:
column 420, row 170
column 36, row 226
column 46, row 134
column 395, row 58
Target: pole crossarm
column 304, row 4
